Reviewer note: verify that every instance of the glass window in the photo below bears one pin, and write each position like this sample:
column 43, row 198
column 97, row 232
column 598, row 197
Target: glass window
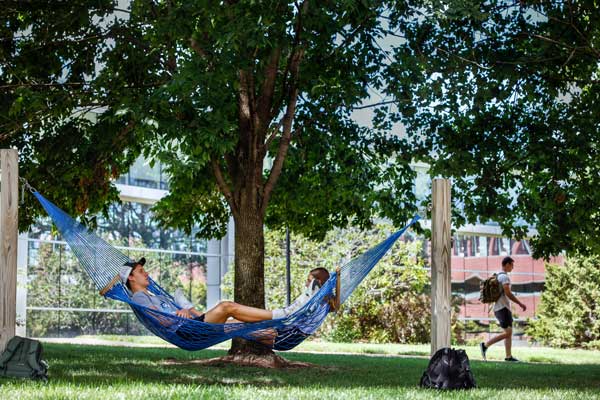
column 498, row 246
column 470, row 243
column 519, row 247
column 504, row 246
column 141, row 174
column 459, row 246
column 481, row 246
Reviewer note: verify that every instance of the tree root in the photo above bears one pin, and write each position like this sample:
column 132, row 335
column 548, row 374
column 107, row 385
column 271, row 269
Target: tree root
column 270, row 360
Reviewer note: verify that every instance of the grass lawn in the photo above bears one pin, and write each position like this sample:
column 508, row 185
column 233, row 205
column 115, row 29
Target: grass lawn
column 103, row 372
column 528, row 354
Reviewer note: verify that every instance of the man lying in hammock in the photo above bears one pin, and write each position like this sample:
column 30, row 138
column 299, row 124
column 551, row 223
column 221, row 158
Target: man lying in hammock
column 134, row 276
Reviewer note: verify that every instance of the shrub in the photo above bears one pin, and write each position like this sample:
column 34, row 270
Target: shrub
column 569, row 313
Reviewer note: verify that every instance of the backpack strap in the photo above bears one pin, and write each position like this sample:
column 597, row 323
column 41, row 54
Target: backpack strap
column 11, row 348
column 34, row 352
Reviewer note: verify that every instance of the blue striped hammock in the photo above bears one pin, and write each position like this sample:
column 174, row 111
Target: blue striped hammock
column 102, row 263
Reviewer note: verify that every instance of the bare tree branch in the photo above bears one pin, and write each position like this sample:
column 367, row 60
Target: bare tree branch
column 382, row 103
column 462, row 58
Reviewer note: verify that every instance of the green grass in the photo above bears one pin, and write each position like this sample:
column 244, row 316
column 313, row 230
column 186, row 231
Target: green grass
column 528, row 354
column 101, row 372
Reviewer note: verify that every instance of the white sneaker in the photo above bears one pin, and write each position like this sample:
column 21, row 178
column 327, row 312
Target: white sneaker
column 181, row 300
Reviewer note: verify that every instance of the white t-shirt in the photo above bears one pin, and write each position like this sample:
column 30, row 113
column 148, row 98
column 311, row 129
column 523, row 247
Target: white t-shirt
column 300, row 301
column 503, row 301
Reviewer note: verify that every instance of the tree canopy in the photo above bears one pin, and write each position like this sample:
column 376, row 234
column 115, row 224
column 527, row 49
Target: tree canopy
column 250, row 106
column 247, row 104
column 505, row 94
column 170, row 79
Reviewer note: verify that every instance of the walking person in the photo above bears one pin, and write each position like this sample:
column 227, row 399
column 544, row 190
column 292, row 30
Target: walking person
column 503, row 312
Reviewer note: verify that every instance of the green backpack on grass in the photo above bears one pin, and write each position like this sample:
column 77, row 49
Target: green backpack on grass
column 490, row 290
column 23, row 359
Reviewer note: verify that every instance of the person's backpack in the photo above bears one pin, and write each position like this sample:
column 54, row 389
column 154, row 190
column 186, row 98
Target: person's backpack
column 23, row 359
column 448, row 369
column 491, row 289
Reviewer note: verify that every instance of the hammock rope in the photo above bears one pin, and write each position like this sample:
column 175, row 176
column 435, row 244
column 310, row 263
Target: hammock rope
column 102, row 262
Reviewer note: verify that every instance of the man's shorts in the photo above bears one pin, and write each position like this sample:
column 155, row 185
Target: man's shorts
column 188, row 333
column 504, row 317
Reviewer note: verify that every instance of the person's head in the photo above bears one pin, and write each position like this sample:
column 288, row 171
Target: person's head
column 134, row 276
column 508, row 264
column 319, row 274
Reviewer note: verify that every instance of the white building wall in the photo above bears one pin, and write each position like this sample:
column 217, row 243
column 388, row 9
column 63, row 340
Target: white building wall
column 21, row 306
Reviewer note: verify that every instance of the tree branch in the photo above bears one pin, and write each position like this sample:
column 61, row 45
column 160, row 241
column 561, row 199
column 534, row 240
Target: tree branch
column 382, row 103
column 462, row 58
column 244, row 103
column 76, row 84
column 285, row 140
column 198, row 49
column 265, row 100
column 272, row 136
column 223, row 186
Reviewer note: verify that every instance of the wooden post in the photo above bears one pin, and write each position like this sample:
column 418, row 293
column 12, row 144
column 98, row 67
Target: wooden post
column 9, row 226
column 440, row 265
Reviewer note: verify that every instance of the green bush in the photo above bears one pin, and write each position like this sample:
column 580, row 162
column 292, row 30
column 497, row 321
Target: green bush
column 569, row 313
column 391, row 305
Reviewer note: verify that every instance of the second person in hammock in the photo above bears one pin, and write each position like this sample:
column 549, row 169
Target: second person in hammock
column 134, row 276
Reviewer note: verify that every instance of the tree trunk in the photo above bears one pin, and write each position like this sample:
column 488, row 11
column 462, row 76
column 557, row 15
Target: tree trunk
column 249, row 273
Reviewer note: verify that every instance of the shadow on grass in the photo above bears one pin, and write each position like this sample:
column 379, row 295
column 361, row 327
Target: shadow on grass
column 99, row 365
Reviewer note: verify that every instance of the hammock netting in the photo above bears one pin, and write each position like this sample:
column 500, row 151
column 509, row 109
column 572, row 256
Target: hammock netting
column 102, row 262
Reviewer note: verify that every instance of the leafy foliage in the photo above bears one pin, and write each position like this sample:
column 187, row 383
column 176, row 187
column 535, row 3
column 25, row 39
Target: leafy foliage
column 229, row 96
column 569, row 314
column 505, row 96
column 50, row 110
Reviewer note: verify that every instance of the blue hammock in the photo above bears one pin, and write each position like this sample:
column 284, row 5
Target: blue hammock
column 102, row 262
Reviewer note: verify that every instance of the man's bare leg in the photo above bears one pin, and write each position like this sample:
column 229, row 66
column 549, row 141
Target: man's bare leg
column 498, row 338
column 508, row 342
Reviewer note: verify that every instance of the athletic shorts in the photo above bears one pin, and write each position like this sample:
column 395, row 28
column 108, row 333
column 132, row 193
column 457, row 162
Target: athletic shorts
column 504, row 317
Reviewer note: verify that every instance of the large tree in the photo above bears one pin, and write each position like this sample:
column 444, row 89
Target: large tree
column 506, row 95
column 248, row 104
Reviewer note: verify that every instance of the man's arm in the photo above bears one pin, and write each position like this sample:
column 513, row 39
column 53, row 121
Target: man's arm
column 145, row 301
column 195, row 312
column 512, row 297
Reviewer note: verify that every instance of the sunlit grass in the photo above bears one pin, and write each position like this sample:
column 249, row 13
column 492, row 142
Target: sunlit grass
column 102, row 372
column 528, row 354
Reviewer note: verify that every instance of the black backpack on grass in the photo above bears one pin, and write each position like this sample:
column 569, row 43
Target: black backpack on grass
column 23, row 359
column 448, row 369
